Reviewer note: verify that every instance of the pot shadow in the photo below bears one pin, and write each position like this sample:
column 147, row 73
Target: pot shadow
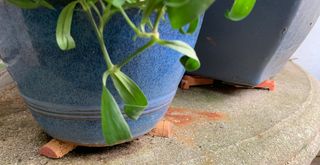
column 106, row 153
column 96, row 153
column 81, row 150
column 223, row 88
column 43, row 137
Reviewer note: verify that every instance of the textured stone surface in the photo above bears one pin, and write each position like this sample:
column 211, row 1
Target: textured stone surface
column 212, row 125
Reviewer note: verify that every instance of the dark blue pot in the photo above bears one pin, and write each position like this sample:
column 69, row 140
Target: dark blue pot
column 255, row 49
column 63, row 89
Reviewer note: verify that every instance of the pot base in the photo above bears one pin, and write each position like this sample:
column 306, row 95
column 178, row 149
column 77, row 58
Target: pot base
column 82, row 125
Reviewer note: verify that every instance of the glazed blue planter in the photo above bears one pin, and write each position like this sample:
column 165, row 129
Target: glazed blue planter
column 255, row 49
column 63, row 89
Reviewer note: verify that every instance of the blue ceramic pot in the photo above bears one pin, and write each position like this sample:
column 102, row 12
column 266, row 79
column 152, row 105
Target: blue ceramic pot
column 255, row 49
column 63, row 89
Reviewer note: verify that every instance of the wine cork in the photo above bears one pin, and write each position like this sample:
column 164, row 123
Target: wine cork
column 56, row 149
column 163, row 129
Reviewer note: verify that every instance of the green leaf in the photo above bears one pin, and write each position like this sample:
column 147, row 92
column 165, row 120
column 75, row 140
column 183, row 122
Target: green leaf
column 190, row 60
column 134, row 99
column 192, row 27
column 63, row 30
column 114, row 127
column 116, row 3
column 240, row 9
column 186, row 13
column 31, row 4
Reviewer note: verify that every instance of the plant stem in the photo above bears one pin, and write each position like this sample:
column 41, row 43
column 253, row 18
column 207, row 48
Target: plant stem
column 134, row 5
column 104, row 78
column 137, row 52
column 131, row 24
column 158, row 19
column 95, row 9
column 103, row 6
column 101, row 40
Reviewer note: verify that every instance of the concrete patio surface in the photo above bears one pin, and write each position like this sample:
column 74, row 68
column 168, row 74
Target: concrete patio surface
column 212, row 125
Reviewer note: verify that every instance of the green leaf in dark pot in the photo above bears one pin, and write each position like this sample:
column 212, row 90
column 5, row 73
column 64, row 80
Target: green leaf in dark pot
column 134, row 99
column 31, row 4
column 189, row 10
column 240, row 9
column 63, row 30
column 190, row 60
column 114, row 127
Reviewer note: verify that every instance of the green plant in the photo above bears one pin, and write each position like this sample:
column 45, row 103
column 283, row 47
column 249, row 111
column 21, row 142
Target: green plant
column 181, row 13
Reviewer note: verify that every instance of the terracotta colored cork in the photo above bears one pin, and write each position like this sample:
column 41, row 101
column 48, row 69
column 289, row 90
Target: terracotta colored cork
column 56, row 149
column 189, row 81
column 268, row 84
column 163, row 129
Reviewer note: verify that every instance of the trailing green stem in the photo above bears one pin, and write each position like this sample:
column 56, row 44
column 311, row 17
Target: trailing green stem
column 103, row 6
column 158, row 19
column 137, row 52
column 100, row 39
column 134, row 5
column 130, row 23
column 134, row 27
column 154, row 35
column 95, row 9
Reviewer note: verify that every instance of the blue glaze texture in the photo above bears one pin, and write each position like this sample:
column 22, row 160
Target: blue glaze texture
column 63, row 88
